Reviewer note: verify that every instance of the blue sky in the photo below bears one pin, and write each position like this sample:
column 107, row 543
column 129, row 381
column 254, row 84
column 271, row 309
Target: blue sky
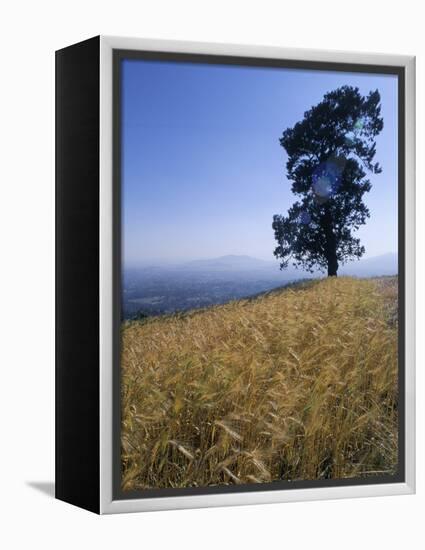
column 202, row 169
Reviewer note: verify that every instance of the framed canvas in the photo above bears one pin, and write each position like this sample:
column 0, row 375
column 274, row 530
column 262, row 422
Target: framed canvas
column 234, row 274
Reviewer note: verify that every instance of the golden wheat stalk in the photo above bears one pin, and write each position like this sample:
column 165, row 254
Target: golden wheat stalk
column 296, row 384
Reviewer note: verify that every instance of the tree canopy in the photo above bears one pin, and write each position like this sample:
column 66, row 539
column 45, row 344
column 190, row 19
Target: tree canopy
column 330, row 151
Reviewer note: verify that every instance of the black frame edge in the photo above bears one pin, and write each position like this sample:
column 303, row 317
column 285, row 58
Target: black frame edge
column 77, row 459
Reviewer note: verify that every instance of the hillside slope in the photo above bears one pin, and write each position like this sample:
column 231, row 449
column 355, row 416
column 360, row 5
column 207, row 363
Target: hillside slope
column 296, row 384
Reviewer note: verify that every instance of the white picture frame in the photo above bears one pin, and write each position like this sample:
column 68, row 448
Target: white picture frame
column 108, row 503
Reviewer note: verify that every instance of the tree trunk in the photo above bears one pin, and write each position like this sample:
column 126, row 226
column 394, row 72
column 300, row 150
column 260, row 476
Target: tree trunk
column 332, row 266
column 331, row 256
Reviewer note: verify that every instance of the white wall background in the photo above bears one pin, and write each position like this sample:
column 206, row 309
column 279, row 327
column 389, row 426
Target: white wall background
column 30, row 31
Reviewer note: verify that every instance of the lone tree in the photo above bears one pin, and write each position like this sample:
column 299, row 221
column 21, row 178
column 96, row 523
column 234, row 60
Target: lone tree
column 329, row 152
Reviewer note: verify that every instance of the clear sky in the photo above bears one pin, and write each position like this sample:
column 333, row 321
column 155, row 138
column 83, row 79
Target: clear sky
column 202, row 169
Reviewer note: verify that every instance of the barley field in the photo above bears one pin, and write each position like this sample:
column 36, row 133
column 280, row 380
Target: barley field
column 296, row 384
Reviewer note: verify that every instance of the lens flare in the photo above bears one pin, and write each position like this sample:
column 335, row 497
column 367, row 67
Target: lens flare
column 327, row 179
column 323, row 186
column 352, row 136
column 359, row 124
column 305, row 218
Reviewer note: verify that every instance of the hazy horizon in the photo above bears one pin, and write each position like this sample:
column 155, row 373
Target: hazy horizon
column 203, row 172
column 152, row 262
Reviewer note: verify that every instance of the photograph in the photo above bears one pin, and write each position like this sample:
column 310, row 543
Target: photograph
column 259, row 274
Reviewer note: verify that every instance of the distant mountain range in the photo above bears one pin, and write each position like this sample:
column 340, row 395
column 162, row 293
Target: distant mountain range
column 385, row 264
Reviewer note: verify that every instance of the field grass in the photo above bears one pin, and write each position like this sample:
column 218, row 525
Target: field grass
column 299, row 383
